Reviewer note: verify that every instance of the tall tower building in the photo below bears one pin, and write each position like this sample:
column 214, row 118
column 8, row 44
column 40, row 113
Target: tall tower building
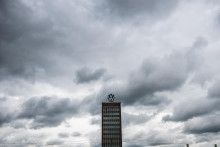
column 111, row 123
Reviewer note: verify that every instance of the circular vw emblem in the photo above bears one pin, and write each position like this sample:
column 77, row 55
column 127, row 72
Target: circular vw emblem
column 111, row 97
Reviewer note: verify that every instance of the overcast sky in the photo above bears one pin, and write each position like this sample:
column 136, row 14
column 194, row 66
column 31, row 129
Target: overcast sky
column 60, row 59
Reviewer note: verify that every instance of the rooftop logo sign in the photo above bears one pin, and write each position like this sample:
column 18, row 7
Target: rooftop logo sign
column 111, row 97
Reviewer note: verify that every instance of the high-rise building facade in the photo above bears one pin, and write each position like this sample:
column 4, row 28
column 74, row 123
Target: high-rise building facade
column 111, row 124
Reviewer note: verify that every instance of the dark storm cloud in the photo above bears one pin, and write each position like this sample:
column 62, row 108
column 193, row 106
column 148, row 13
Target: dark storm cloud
column 38, row 38
column 11, row 23
column 48, row 111
column 21, row 40
column 86, row 75
column 153, row 9
column 210, row 124
column 192, row 108
column 63, row 135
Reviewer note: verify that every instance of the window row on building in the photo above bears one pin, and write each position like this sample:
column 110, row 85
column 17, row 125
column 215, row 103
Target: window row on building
column 111, row 131
column 111, row 122
column 111, row 127
column 112, row 145
column 113, row 117
column 111, row 113
column 111, row 109
column 112, row 136
column 112, row 140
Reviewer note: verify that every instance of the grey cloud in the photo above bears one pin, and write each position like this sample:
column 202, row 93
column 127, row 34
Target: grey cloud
column 129, row 119
column 95, row 121
column 192, row 108
column 153, row 9
column 4, row 118
column 63, row 135
column 208, row 124
column 141, row 98
column 207, row 137
column 55, row 142
column 203, row 72
column 86, row 75
column 3, row 99
column 47, row 111
column 134, row 145
column 19, row 33
column 18, row 124
column 214, row 91
column 154, row 138
column 94, row 135
column 92, row 104
column 161, row 143
column 200, row 42
column 2, row 141
column 165, row 74
column 38, row 38
column 156, row 75
column 95, row 144
column 76, row 134
column 8, row 18
column 6, row 113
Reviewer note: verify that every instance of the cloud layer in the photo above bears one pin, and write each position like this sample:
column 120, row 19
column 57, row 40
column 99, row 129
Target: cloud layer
column 43, row 111
column 59, row 60
column 85, row 75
